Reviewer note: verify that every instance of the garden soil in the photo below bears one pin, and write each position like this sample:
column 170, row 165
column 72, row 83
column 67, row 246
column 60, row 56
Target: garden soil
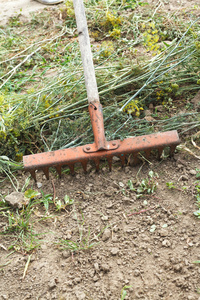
column 148, row 246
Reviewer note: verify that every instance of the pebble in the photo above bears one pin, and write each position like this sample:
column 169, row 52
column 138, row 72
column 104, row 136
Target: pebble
column 96, row 266
column 39, row 185
column 163, row 232
column 104, row 218
column 66, row 254
column 136, row 273
column 106, row 235
column 80, row 295
column 109, row 205
column 95, row 278
column 166, row 243
column 105, row 268
column 192, row 172
column 52, row 284
column 114, row 251
column 184, row 178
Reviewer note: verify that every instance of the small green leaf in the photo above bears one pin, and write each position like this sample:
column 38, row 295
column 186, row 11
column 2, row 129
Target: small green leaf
column 30, row 194
column 67, row 200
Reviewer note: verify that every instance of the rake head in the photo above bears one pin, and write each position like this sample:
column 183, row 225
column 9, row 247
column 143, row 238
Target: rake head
column 100, row 148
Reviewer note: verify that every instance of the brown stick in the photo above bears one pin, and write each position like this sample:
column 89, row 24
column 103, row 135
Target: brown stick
column 141, row 211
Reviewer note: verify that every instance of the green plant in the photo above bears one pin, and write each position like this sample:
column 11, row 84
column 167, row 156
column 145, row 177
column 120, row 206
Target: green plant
column 148, row 185
column 124, row 291
column 170, row 185
column 67, row 201
column 20, row 228
column 198, row 173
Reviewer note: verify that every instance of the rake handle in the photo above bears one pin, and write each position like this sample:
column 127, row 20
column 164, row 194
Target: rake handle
column 86, row 53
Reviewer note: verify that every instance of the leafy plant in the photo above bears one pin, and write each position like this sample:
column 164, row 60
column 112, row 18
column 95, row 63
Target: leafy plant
column 170, row 185
column 20, row 227
column 198, row 173
column 44, row 200
column 67, row 200
column 148, row 185
column 124, row 291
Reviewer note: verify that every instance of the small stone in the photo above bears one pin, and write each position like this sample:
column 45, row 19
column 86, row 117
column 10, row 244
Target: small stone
column 136, row 273
column 80, row 295
column 106, row 235
column 114, row 251
column 104, row 218
column 66, row 254
column 95, row 278
column 193, row 172
column 126, row 200
column 16, row 199
column 166, row 243
column 109, row 205
column 178, row 268
column 52, row 284
column 96, row 266
column 163, row 232
column 105, row 268
column 39, row 185
column 184, row 178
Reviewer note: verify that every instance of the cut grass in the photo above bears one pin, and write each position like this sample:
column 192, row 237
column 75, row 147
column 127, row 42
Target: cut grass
column 43, row 97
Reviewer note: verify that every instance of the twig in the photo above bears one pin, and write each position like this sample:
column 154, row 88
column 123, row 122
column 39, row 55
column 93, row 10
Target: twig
column 141, row 211
column 26, row 266
column 54, row 192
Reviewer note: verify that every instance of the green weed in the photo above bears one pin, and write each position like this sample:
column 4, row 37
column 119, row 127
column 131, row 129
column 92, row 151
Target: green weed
column 146, row 186
column 124, row 291
column 20, row 228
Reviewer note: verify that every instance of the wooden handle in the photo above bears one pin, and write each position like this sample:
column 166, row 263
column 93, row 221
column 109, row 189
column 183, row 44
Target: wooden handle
column 86, row 53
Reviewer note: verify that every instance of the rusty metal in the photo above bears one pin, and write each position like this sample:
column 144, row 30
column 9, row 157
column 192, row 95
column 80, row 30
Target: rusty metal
column 101, row 149
column 100, row 143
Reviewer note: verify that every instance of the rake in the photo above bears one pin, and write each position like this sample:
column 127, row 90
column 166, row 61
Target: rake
column 101, row 148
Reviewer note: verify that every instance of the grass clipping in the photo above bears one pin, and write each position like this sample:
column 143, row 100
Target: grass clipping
column 52, row 113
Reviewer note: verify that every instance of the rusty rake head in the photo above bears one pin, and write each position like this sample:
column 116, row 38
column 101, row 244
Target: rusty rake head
column 100, row 148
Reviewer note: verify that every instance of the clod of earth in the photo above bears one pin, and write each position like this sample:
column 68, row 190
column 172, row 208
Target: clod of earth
column 16, row 199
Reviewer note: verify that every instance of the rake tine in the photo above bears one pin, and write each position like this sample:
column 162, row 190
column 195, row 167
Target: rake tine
column 160, row 151
column 33, row 174
column 71, row 167
column 135, row 158
column 172, row 150
column 84, row 165
column 58, row 169
column 46, row 172
column 122, row 158
column 147, row 153
column 109, row 159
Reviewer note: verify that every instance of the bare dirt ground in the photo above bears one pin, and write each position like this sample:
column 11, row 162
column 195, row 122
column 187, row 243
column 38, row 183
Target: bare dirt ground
column 11, row 8
column 147, row 244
